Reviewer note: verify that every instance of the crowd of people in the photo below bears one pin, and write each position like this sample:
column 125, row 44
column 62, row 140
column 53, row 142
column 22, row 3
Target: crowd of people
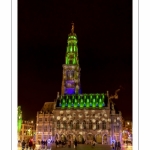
column 26, row 145
column 116, row 145
column 62, row 143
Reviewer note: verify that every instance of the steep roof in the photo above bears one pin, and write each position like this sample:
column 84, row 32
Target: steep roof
column 48, row 107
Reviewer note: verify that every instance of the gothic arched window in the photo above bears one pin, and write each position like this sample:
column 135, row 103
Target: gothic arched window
column 84, row 124
column 77, row 124
column 90, row 124
column 65, row 125
column 97, row 125
column 71, row 124
column 58, row 124
column 103, row 125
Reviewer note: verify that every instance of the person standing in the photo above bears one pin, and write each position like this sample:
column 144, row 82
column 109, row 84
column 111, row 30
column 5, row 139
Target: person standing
column 57, row 143
column 33, row 145
column 23, row 145
column 75, row 143
column 119, row 145
column 27, row 145
column 68, row 143
column 30, row 144
column 113, row 145
column 116, row 145
column 93, row 143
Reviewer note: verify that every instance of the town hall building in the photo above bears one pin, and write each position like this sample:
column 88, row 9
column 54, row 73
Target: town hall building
column 76, row 115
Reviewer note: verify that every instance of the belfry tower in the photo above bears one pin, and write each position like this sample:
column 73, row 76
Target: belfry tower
column 71, row 68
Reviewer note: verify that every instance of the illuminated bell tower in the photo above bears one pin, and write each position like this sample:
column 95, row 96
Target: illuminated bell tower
column 71, row 68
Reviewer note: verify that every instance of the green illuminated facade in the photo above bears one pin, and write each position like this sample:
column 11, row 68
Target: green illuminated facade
column 72, row 50
column 96, row 101
column 19, row 119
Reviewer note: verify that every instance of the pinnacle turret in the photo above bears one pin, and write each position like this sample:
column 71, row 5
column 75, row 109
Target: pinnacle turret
column 72, row 48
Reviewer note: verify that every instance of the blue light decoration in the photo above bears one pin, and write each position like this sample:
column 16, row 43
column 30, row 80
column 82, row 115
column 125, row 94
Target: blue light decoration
column 78, row 105
column 84, row 105
column 96, row 104
column 66, row 105
column 103, row 104
column 70, row 91
column 80, row 91
column 72, row 104
column 90, row 104
column 113, row 141
column 59, row 104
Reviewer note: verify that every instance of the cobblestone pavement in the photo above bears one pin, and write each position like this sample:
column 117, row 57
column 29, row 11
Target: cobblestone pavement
column 79, row 147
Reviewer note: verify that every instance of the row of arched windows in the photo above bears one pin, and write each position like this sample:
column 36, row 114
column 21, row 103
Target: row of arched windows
column 71, row 125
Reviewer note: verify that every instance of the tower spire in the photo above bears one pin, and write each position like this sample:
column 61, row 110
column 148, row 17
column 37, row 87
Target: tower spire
column 72, row 29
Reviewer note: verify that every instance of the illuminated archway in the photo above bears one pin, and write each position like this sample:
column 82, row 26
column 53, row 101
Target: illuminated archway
column 63, row 138
column 90, row 136
column 104, row 139
column 80, row 138
column 71, row 137
column 99, row 138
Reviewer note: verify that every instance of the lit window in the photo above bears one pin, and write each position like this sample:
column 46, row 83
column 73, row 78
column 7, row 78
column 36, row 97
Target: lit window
column 40, row 119
column 58, row 124
column 45, row 129
column 103, row 125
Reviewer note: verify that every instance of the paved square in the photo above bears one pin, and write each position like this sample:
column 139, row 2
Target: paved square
column 80, row 147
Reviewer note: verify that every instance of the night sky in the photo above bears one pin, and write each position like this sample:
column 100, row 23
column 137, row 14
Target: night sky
column 104, row 32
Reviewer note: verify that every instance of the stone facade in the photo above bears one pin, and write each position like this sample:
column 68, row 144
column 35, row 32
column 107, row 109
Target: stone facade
column 27, row 131
column 86, row 124
column 44, row 122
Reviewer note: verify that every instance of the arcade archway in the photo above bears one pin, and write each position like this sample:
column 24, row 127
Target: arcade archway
column 80, row 138
column 99, row 138
column 90, row 137
column 63, row 137
column 71, row 137
column 105, row 139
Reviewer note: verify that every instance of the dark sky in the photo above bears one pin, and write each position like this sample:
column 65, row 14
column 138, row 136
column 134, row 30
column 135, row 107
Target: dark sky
column 104, row 31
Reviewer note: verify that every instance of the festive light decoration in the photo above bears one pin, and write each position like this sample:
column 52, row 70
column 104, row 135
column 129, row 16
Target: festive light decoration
column 84, row 101
column 93, row 120
column 64, row 118
column 58, row 117
column 100, row 122
column 118, row 118
column 61, row 112
column 105, row 115
column 109, row 120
